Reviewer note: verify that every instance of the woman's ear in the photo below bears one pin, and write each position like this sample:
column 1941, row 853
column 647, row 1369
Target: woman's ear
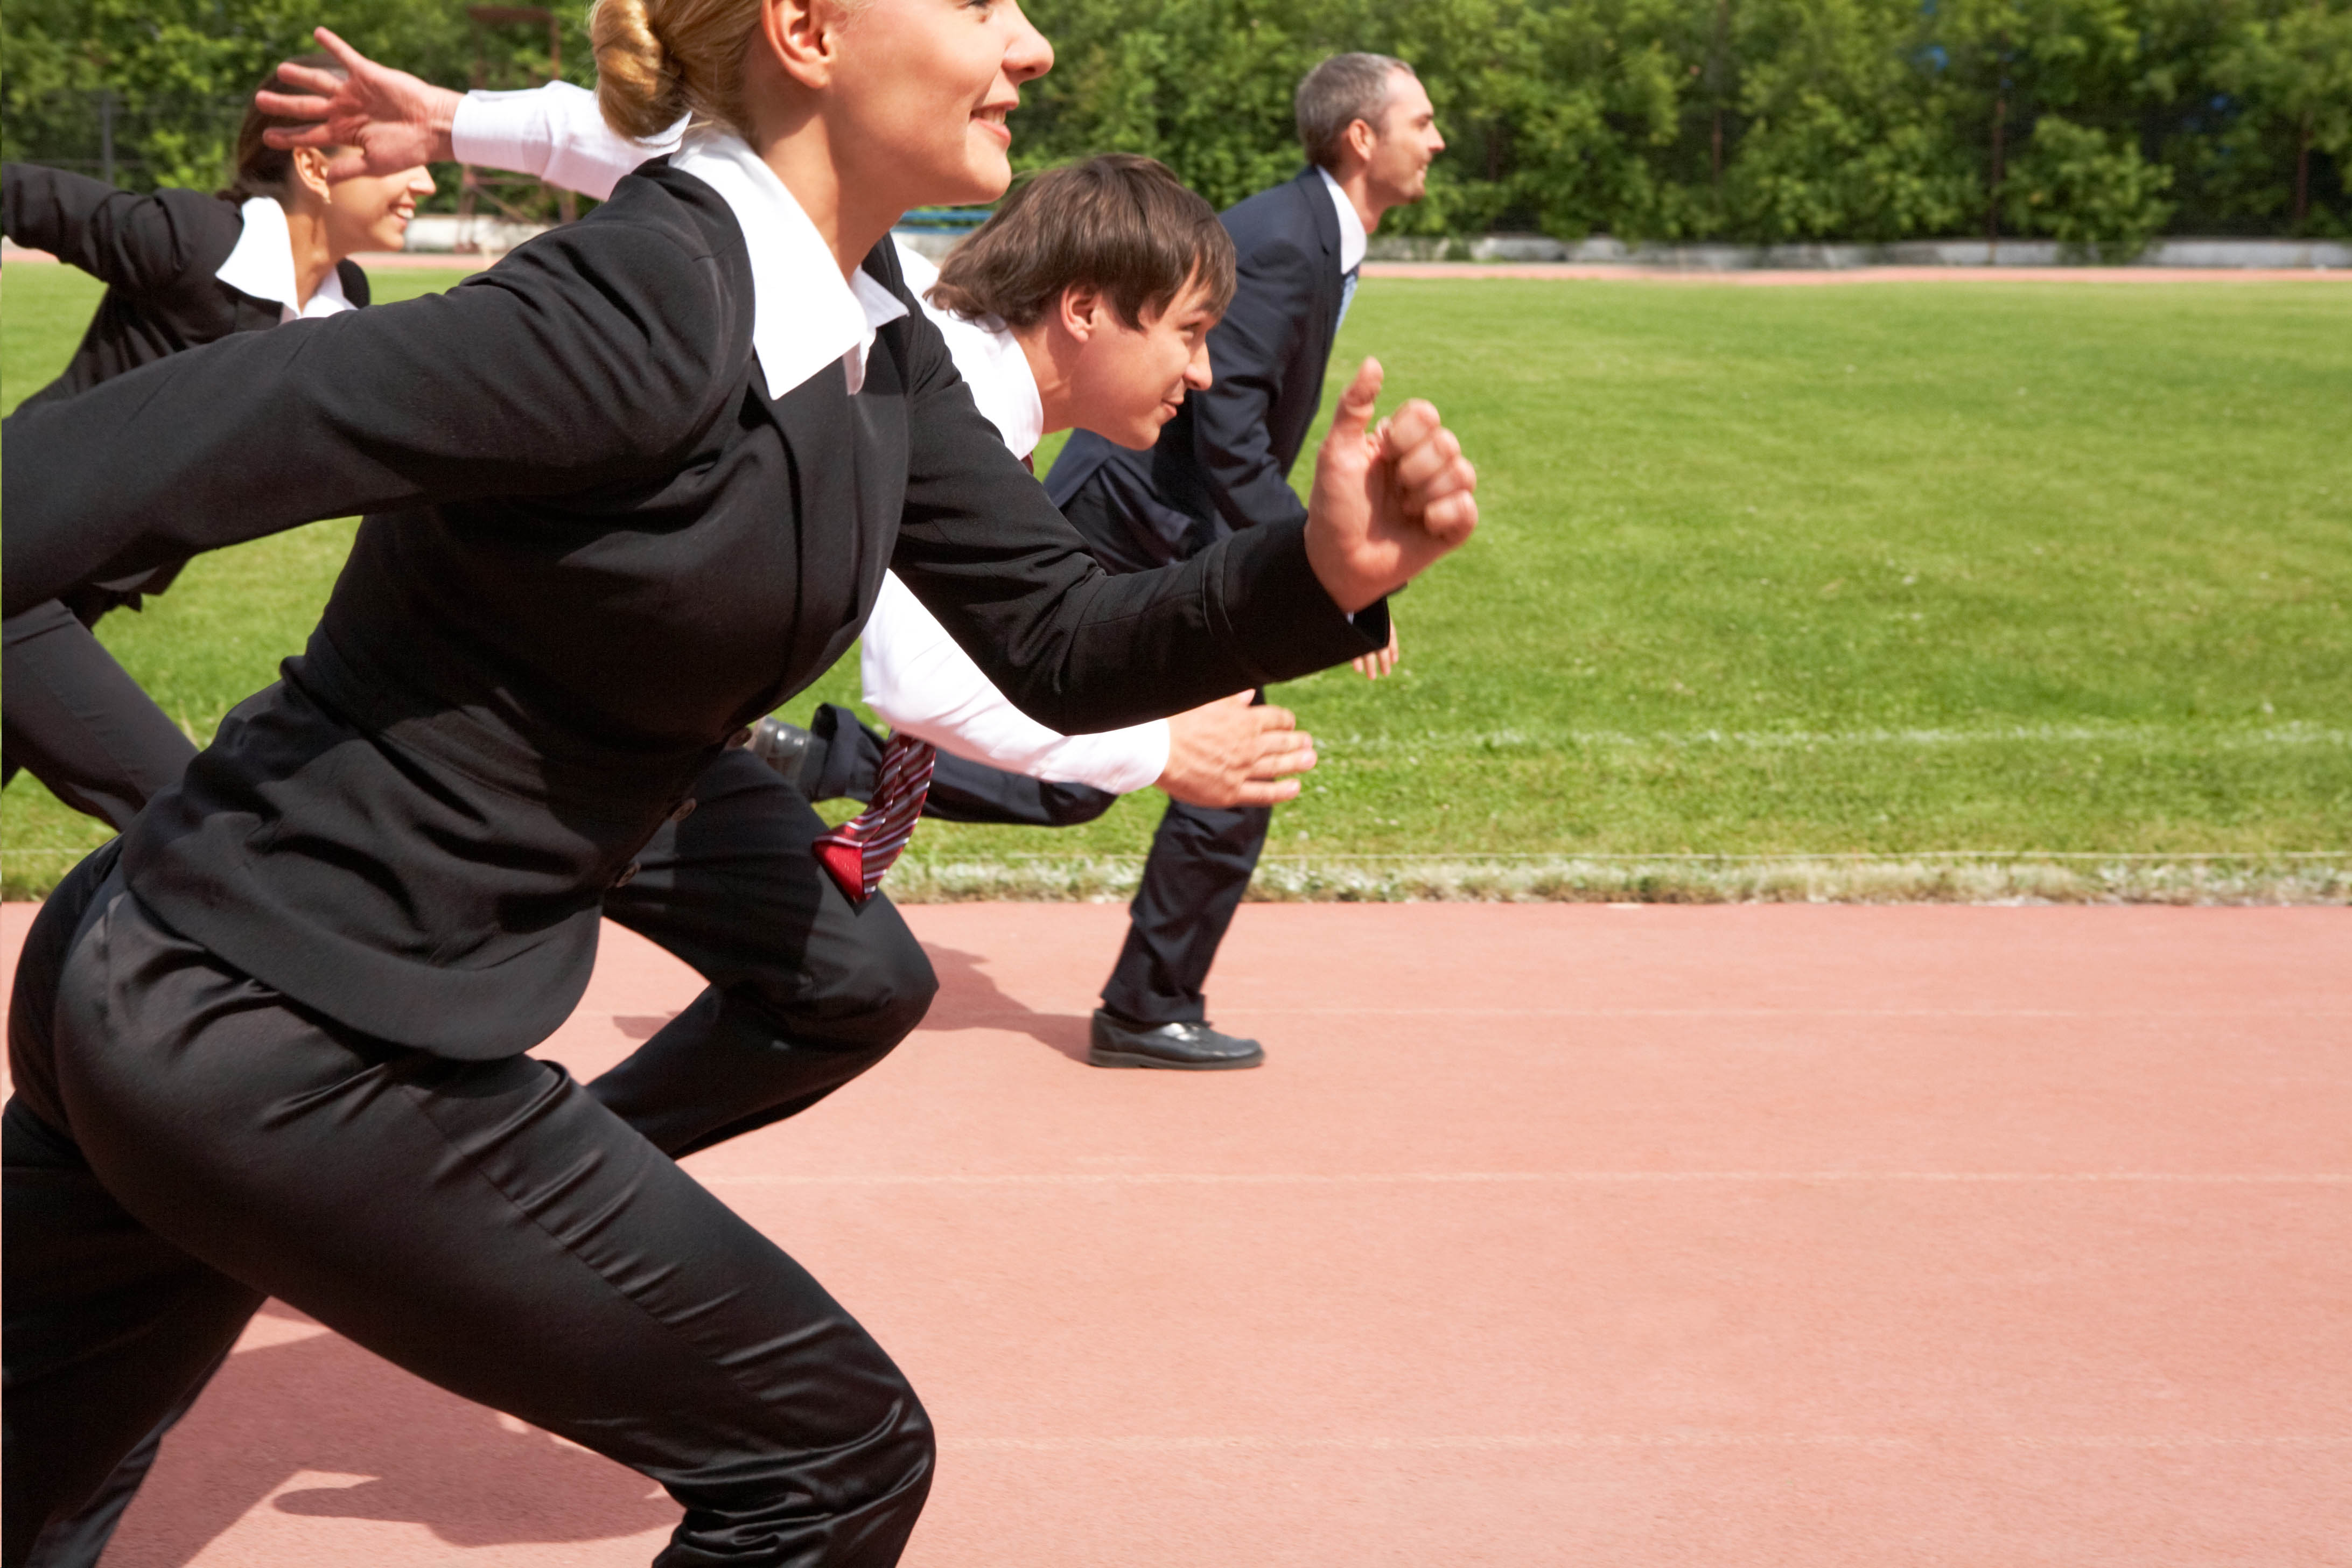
column 803, row 37
column 310, row 172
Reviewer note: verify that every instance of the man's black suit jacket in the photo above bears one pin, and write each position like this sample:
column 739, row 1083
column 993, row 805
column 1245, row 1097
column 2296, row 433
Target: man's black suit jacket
column 595, row 548
column 157, row 256
column 1223, row 464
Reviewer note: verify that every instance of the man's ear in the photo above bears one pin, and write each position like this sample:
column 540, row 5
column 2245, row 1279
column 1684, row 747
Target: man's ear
column 1080, row 311
column 803, row 37
column 1362, row 137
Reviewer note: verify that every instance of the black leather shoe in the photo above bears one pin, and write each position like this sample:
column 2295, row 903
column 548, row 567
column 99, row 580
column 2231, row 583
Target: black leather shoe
column 791, row 751
column 1187, row 1048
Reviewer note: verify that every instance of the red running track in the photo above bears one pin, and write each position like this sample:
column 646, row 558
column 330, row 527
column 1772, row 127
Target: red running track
column 1551, row 1235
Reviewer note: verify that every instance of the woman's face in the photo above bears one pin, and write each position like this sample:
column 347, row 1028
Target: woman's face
column 370, row 212
column 1128, row 382
column 923, row 87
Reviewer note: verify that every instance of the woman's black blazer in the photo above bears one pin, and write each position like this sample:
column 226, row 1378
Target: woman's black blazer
column 595, row 548
column 157, row 256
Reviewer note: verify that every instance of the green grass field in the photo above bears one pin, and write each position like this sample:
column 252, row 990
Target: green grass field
column 1875, row 570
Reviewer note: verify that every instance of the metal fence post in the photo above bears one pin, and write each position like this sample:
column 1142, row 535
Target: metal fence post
column 106, row 133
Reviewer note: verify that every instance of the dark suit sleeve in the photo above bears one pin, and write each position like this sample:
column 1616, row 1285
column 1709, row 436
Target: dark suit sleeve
column 1250, row 353
column 1071, row 646
column 134, row 243
column 590, row 358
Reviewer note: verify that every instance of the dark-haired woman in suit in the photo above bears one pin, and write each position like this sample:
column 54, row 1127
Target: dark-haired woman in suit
column 626, row 491
column 181, row 268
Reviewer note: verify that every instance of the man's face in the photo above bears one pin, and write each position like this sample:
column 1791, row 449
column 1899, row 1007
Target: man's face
column 1403, row 142
column 1129, row 380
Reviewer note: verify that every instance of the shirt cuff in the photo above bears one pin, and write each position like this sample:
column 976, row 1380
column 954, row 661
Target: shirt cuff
column 503, row 130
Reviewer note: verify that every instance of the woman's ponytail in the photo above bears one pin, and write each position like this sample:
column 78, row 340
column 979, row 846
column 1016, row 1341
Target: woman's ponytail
column 659, row 61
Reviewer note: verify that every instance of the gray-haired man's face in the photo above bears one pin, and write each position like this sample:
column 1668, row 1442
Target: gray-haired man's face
column 1406, row 140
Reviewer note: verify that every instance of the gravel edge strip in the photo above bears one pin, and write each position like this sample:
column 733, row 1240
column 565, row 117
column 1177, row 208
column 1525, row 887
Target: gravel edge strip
column 2310, row 879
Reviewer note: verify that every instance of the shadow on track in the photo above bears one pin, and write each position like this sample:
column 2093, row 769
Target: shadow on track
column 322, row 1406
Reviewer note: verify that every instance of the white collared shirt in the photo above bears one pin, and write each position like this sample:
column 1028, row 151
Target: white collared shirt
column 988, row 356
column 262, row 264
column 556, row 132
column 912, row 672
column 805, row 313
column 1353, row 240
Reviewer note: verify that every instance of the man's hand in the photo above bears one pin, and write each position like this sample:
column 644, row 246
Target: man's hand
column 1373, row 666
column 385, row 121
column 1387, row 501
column 1230, row 754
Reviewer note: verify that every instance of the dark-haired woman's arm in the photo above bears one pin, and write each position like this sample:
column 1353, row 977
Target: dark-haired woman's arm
column 126, row 241
column 592, row 357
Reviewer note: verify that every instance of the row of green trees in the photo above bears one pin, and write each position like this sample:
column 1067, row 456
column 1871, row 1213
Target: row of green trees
column 2097, row 122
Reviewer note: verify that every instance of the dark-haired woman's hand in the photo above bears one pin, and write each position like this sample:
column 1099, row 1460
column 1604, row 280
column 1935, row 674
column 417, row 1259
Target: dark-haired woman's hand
column 382, row 120
column 1388, row 500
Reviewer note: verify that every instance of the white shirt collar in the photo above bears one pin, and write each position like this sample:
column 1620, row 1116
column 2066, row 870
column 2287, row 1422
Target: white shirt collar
column 805, row 315
column 987, row 355
column 262, row 264
column 989, row 358
column 1353, row 240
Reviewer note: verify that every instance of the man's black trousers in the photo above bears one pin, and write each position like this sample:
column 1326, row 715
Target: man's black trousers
column 185, row 1142
column 1202, row 857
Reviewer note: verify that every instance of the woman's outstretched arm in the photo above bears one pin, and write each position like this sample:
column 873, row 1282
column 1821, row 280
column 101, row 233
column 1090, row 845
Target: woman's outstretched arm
column 125, row 240
column 592, row 356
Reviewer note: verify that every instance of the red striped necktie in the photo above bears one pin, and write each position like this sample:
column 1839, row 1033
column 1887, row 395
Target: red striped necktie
column 859, row 851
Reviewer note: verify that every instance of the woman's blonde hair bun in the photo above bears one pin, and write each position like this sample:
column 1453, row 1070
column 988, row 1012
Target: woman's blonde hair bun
column 657, row 60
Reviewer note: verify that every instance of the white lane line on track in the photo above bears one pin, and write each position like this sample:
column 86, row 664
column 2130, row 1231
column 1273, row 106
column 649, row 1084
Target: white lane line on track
column 1480, row 1442
column 1527, row 1178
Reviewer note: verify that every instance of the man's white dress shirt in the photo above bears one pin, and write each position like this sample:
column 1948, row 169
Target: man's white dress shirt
column 804, row 316
column 262, row 264
column 1353, row 243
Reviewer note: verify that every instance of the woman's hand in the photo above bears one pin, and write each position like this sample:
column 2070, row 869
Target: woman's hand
column 384, row 121
column 1373, row 666
column 1387, row 502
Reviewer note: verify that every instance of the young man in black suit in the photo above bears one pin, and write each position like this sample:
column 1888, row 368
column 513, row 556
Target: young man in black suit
column 1223, row 464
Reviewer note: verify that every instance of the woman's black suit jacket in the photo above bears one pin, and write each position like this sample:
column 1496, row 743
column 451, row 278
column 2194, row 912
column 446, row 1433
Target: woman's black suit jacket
column 595, row 548
column 157, row 256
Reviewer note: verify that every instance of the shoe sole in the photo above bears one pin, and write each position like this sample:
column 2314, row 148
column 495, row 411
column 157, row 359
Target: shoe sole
column 1101, row 1057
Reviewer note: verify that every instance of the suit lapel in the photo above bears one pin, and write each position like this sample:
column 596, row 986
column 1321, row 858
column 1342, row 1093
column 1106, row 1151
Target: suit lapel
column 849, row 458
column 1325, row 221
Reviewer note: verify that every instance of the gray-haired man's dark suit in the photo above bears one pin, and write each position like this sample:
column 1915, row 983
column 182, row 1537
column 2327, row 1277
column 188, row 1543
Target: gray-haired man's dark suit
column 1221, row 465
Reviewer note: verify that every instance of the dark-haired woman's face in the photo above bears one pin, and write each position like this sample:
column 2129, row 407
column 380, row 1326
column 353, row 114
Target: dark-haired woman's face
column 927, row 84
column 370, row 212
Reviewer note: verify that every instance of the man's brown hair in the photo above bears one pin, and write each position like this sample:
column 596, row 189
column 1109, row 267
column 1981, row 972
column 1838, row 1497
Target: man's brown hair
column 1118, row 223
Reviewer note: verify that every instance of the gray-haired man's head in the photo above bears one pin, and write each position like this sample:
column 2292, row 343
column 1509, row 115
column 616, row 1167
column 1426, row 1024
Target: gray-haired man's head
column 1368, row 115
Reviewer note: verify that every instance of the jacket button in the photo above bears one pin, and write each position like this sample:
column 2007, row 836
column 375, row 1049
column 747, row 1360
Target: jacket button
column 685, row 809
column 740, row 739
column 628, row 874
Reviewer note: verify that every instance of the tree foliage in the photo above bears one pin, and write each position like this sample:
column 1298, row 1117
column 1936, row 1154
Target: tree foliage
column 2094, row 122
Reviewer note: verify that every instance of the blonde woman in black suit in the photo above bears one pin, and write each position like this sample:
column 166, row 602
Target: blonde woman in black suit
column 625, row 492
column 181, row 268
